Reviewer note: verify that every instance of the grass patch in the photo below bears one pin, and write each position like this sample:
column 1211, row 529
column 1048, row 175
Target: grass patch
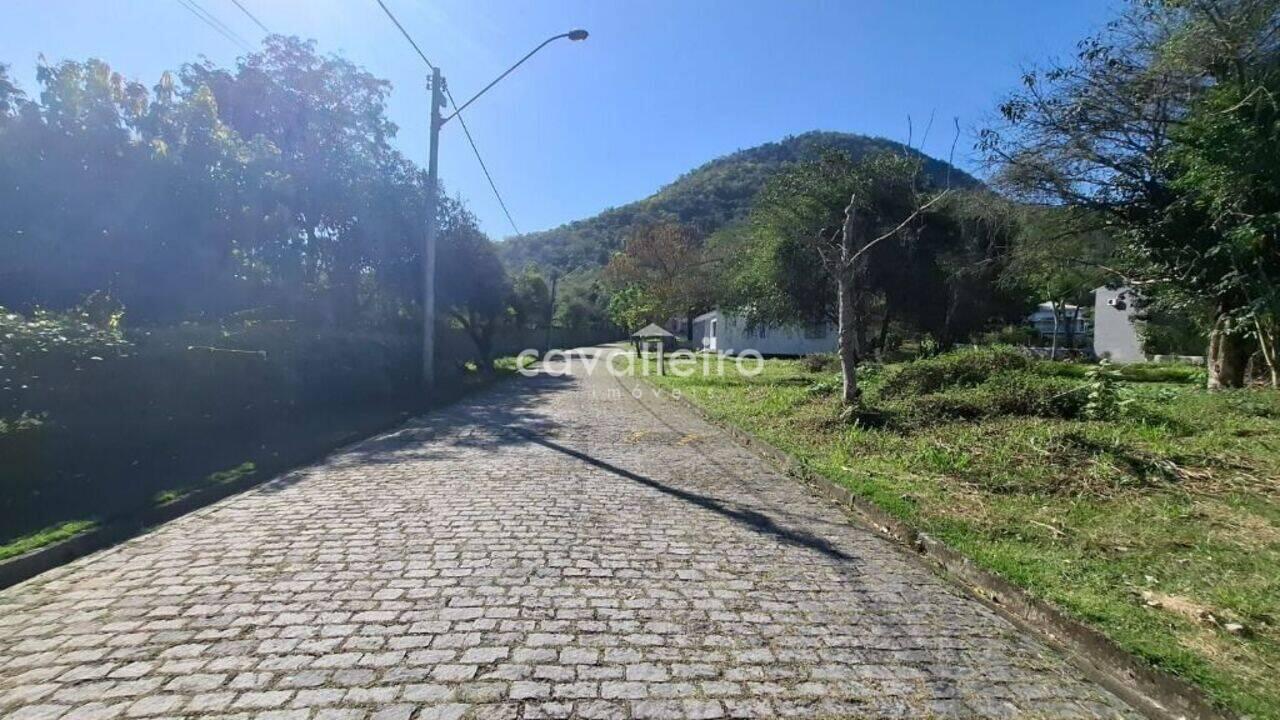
column 510, row 364
column 221, row 477
column 1159, row 526
column 47, row 536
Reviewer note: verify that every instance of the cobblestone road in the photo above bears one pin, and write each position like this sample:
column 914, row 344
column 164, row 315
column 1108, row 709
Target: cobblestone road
column 550, row 548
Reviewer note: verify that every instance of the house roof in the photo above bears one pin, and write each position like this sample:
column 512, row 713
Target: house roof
column 651, row 331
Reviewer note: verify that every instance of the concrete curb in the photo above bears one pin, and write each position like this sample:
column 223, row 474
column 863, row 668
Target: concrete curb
column 1152, row 692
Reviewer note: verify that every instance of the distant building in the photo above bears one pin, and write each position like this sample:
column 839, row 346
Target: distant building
column 1115, row 332
column 1073, row 323
column 729, row 333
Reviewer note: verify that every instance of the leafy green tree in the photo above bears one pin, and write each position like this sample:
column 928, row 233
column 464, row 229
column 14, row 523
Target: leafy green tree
column 935, row 277
column 269, row 185
column 472, row 288
column 669, row 265
column 582, row 303
column 1105, row 132
column 1226, row 166
column 345, row 193
column 1053, row 260
column 107, row 190
column 11, row 96
column 530, row 299
column 631, row 308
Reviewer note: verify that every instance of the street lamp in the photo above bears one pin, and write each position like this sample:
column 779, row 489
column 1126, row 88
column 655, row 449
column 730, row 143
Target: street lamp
column 433, row 195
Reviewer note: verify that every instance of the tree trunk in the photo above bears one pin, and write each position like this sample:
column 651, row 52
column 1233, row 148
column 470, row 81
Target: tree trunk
column 847, row 291
column 1228, row 354
column 882, row 338
column 1268, row 346
column 862, row 317
column 1053, row 344
column 484, row 348
column 848, row 340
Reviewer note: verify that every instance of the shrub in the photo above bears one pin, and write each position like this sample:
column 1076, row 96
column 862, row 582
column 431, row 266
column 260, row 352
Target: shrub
column 1103, row 400
column 1010, row 335
column 822, row 387
column 958, row 368
column 1025, row 393
column 1182, row 373
column 1014, row 392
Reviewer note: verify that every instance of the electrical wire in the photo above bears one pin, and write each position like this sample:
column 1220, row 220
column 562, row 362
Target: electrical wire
column 483, row 167
column 218, row 26
column 406, row 34
column 465, row 130
column 256, row 21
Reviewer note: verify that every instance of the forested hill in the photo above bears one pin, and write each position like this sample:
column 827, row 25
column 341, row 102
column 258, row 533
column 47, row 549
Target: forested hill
column 714, row 195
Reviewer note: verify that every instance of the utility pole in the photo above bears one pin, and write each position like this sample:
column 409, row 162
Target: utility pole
column 551, row 308
column 429, row 243
column 433, row 192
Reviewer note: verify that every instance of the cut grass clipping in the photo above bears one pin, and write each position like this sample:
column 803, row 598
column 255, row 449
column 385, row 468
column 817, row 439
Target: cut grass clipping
column 1128, row 496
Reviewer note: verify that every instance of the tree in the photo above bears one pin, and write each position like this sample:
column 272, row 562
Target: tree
column 344, row 190
column 530, row 299
column 271, row 186
column 109, row 188
column 1052, row 259
column 1226, row 165
column 631, row 308
column 936, row 275
column 11, row 96
column 887, row 204
column 582, row 302
column 472, row 289
column 1102, row 133
column 668, row 266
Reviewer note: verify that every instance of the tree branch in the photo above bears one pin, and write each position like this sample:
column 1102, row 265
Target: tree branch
column 910, row 218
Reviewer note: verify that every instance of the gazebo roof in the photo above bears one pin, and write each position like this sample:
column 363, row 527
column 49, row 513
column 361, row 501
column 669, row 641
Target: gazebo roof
column 651, row 331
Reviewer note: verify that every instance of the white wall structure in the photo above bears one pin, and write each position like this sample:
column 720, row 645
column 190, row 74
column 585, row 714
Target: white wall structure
column 1115, row 334
column 1042, row 320
column 728, row 333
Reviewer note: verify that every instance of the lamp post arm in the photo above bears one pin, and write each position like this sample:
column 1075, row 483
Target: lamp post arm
column 498, row 79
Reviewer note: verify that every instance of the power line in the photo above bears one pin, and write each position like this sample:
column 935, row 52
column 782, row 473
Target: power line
column 218, row 26
column 406, row 34
column 480, row 160
column 256, row 21
column 466, row 131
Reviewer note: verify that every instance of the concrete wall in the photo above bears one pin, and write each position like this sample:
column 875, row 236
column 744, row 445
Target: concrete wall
column 732, row 336
column 1115, row 334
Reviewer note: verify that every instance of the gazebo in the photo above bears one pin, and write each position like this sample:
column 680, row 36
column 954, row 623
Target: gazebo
column 651, row 333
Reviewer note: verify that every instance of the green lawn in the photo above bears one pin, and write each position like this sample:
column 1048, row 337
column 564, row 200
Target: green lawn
column 1160, row 527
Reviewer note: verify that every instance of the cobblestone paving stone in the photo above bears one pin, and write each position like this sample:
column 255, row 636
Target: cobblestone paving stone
column 550, row 548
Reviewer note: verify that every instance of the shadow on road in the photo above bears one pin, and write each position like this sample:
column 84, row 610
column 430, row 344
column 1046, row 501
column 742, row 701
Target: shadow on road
column 756, row 521
column 475, row 421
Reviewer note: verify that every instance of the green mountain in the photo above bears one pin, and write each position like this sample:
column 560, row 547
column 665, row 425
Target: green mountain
column 710, row 197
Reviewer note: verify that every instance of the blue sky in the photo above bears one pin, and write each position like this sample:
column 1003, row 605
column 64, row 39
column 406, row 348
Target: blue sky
column 659, row 88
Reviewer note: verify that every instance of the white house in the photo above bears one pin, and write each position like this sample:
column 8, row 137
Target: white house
column 1042, row 321
column 1115, row 334
column 728, row 333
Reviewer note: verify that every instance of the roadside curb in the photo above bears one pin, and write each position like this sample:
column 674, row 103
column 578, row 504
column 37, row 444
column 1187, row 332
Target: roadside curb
column 1151, row 691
